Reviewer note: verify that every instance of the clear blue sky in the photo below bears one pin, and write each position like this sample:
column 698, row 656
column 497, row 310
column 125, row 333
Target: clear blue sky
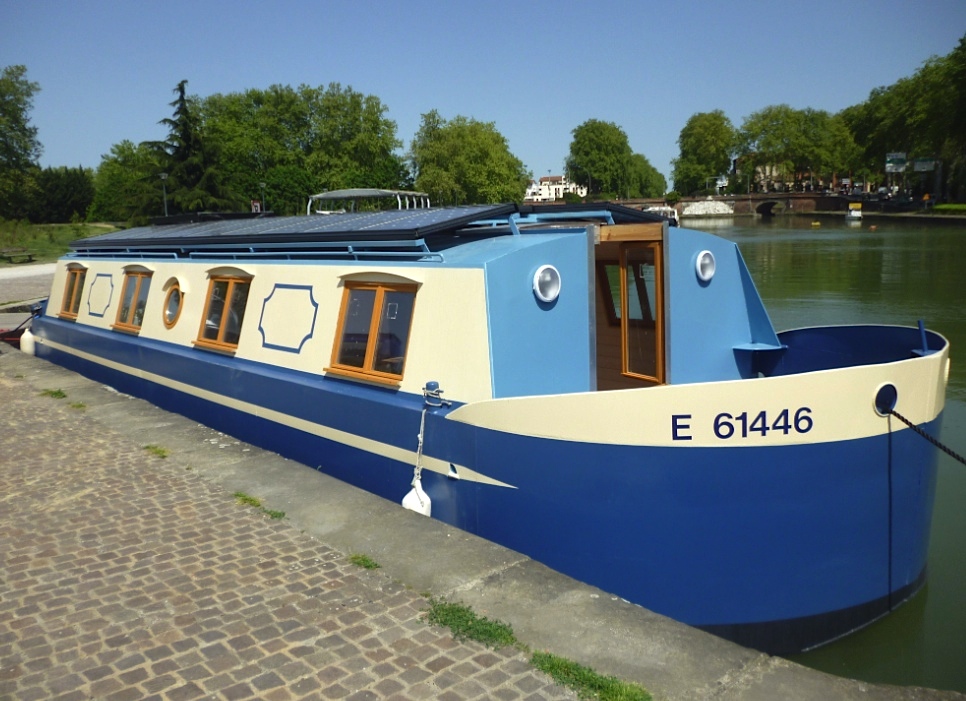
column 537, row 70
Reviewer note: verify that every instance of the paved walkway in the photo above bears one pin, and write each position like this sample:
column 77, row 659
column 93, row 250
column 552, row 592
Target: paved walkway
column 124, row 575
column 129, row 576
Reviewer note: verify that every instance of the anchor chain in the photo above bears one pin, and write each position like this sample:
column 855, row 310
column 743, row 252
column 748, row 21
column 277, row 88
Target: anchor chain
column 907, row 422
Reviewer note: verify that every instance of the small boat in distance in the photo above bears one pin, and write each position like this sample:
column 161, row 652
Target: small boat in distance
column 582, row 383
column 854, row 212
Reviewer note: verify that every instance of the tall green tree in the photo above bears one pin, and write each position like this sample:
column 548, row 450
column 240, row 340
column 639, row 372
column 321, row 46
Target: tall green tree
column 599, row 158
column 19, row 145
column 707, row 144
column 464, row 161
column 195, row 182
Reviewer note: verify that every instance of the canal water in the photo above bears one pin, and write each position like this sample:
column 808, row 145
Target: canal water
column 822, row 270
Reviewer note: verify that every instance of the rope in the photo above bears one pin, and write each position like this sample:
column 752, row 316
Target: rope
column 418, row 469
column 907, row 422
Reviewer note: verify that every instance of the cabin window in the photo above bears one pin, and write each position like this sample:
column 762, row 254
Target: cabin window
column 224, row 312
column 134, row 297
column 640, row 311
column 172, row 305
column 373, row 331
column 72, row 292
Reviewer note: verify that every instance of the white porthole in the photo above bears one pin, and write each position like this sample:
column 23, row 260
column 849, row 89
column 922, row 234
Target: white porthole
column 546, row 283
column 704, row 266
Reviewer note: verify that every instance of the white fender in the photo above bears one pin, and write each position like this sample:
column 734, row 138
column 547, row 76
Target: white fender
column 27, row 342
column 417, row 500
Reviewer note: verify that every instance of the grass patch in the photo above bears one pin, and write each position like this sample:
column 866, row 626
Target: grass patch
column 78, row 405
column 466, row 625
column 586, row 682
column 54, row 393
column 247, row 500
column 364, row 561
column 157, row 451
column 256, row 503
column 47, row 242
column 949, row 209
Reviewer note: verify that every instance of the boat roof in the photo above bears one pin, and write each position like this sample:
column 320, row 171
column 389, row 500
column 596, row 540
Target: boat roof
column 411, row 229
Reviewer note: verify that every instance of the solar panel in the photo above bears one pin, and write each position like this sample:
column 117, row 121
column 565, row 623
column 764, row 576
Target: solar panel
column 391, row 225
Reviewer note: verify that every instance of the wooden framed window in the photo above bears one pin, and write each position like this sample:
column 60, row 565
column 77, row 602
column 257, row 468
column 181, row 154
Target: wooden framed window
column 173, row 301
column 134, row 298
column 221, row 323
column 641, row 311
column 72, row 292
column 373, row 331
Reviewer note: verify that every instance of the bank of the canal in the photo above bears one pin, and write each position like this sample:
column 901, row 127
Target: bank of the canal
column 125, row 575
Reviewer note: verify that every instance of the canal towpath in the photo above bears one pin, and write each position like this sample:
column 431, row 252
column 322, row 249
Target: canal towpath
column 126, row 575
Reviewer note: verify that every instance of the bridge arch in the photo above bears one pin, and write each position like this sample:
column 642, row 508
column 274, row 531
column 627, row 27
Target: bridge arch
column 767, row 207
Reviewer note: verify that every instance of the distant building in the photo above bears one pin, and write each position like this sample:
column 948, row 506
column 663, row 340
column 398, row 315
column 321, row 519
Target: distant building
column 552, row 188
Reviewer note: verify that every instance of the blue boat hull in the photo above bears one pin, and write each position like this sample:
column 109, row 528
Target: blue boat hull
column 778, row 548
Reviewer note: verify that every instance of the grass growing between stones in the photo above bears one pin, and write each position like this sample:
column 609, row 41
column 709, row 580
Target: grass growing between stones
column 586, row 682
column 364, row 561
column 256, row 503
column 54, row 393
column 465, row 624
column 157, row 451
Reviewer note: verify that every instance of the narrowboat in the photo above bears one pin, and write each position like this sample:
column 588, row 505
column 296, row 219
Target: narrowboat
column 583, row 384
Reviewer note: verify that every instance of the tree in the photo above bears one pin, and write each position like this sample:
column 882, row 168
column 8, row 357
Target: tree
column 351, row 142
column 599, row 158
column 127, row 186
column 464, row 161
column 644, row 180
column 195, row 182
column 707, row 143
column 62, row 195
column 770, row 142
column 19, row 146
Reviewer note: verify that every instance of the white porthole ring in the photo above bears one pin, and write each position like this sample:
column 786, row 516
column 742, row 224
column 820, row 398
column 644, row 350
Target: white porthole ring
column 704, row 266
column 546, row 283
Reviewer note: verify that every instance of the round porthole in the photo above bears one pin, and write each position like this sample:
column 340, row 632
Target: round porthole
column 704, row 266
column 546, row 283
column 172, row 305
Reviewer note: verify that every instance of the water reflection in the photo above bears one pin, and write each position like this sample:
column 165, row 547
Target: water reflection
column 898, row 273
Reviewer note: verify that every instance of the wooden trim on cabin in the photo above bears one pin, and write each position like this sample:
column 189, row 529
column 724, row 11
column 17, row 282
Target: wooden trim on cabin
column 73, row 289
column 224, row 315
column 652, row 231
column 627, row 322
column 137, row 278
column 368, row 370
column 170, row 323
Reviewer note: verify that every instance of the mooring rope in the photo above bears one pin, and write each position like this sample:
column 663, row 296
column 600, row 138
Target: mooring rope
column 907, row 422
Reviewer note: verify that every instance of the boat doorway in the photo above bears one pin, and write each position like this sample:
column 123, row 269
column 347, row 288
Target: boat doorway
column 630, row 309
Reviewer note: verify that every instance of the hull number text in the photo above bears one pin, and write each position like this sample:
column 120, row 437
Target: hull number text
column 747, row 424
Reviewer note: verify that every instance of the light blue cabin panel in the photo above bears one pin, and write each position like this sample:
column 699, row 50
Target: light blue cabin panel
column 707, row 321
column 536, row 347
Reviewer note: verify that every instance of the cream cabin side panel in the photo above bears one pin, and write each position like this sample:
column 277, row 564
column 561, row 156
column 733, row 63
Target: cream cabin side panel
column 449, row 341
column 293, row 313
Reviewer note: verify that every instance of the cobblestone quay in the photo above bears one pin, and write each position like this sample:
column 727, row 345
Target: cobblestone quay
column 126, row 576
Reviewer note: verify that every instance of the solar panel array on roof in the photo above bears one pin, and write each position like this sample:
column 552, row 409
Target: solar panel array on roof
column 406, row 224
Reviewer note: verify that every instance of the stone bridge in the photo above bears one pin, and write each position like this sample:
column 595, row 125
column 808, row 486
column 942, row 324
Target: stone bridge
column 765, row 203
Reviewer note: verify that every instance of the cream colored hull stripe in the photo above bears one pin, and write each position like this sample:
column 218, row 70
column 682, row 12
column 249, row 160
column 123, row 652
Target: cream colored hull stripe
column 365, row 444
